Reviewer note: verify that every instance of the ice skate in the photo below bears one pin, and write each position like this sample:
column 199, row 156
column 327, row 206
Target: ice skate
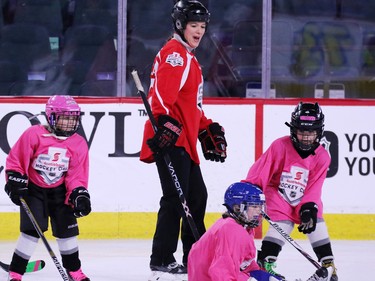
column 14, row 276
column 268, row 264
column 173, row 268
column 322, row 274
column 172, row 271
column 327, row 264
column 77, row 275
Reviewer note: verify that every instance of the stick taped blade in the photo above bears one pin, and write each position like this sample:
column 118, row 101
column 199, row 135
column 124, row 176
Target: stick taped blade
column 137, row 81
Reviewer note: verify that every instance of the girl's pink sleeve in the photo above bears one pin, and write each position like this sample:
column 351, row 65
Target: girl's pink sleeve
column 22, row 152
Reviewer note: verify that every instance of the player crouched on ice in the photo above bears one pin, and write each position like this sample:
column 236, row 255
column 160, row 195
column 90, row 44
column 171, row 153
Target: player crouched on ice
column 227, row 250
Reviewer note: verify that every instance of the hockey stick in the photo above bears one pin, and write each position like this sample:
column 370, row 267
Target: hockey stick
column 167, row 159
column 291, row 240
column 41, row 235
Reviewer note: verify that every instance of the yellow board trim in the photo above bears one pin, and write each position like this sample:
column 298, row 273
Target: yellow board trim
column 139, row 225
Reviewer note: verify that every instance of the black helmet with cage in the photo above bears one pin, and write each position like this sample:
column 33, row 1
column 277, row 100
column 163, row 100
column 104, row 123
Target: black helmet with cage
column 185, row 11
column 306, row 117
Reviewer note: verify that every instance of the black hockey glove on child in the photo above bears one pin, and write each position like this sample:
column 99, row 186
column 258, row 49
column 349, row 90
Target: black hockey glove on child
column 169, row 130
column 80, row 199
column 308, row 214
column 214, row 145
column 16, row 186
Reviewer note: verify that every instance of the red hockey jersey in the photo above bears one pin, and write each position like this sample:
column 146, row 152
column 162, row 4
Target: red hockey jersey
column 176, row 89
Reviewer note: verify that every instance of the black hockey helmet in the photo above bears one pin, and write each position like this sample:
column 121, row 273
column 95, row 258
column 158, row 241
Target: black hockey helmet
column 306, row 117
column 185, row 11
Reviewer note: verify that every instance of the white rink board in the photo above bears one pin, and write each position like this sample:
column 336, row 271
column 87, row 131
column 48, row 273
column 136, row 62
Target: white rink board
column 124, row 184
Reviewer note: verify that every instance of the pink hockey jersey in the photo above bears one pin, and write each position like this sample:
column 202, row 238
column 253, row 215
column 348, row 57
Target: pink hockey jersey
column 176, row 90
column 226, row 252
column 49, row 161
column 288, row 181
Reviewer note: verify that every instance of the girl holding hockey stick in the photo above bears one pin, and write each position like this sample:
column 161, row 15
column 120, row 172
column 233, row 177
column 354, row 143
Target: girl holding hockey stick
column 175, row 97
column 226, row 252
column 48, row 167
column 291, row 174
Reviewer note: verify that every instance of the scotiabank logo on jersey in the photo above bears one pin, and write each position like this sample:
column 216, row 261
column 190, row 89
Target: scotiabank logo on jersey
column 53, row 165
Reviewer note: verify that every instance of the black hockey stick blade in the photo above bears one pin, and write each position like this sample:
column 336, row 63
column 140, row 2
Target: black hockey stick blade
column 167, row 159
column 32, row 266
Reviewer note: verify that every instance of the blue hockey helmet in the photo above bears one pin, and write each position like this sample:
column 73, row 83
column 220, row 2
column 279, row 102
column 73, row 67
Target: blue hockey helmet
column 241, row 195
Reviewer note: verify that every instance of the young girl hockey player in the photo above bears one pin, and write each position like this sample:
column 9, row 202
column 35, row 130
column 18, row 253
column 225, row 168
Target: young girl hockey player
column 291, row 174
column 48, row 166
column 227, row 250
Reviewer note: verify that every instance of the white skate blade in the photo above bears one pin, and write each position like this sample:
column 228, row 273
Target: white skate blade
column 165, row 276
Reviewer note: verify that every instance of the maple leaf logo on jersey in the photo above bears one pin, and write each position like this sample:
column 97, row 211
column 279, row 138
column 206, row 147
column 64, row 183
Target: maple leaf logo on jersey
column 175, row 59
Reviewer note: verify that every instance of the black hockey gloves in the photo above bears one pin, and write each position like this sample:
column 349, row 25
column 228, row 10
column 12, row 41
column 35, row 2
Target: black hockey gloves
column 80, row 199
column 308, row 214
column 168, row 132
column 214, row 145
column 16, row 186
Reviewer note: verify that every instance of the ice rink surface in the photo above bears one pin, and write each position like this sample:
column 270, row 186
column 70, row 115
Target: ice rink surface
column 127, row 260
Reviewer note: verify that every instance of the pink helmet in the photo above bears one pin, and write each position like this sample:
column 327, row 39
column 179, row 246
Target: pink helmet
column 65, row 107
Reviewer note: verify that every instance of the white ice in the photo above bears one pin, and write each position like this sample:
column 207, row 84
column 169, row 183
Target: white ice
column 127, row 260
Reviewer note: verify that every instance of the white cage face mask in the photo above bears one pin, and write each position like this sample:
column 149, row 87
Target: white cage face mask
column 66, row 123
column 250, row 214
column 307, row 138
